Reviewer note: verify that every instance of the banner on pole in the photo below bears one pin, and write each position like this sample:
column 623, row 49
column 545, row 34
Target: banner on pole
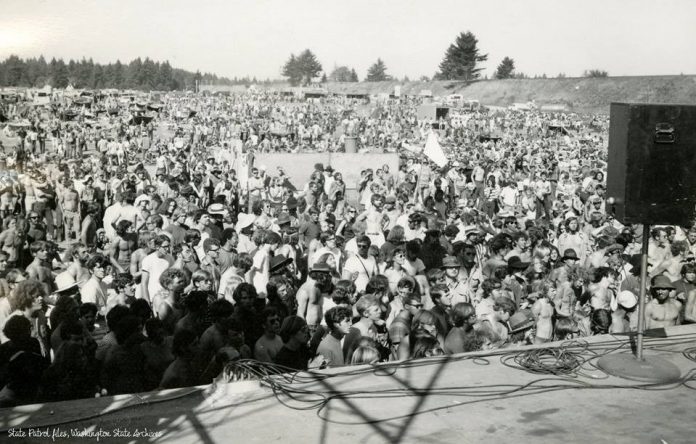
column 434, row 151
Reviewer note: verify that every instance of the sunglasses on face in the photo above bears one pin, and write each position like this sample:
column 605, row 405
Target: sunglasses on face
column 363, row 246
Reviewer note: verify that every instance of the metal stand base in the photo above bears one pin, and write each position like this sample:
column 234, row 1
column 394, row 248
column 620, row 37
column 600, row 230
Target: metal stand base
column 652, row 369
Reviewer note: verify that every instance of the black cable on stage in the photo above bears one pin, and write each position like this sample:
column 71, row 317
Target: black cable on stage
column 565, row 362
column 690, row 354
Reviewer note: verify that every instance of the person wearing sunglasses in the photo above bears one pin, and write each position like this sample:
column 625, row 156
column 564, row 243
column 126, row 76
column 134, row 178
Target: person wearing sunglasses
column 361, row 267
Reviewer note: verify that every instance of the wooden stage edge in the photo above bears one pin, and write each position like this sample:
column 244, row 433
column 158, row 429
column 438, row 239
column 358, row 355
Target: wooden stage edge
column 472, row 397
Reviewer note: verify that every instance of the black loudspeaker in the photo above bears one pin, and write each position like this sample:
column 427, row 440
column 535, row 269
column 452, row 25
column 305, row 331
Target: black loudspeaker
column 651, row 175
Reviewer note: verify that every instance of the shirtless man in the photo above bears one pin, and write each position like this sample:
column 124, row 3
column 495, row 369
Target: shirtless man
column 123, row 246
column 374, row 218
column 76, row 268
column 661, row 311
column 309, row 299
column 11, row 240
column 602, row 289
column 40, row 268
column 69, row 201
column 29, row 196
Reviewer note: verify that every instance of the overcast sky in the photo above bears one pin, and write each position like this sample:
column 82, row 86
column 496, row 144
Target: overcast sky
column 255, row 37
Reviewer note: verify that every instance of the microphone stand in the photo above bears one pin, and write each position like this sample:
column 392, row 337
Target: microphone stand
column 639, row 366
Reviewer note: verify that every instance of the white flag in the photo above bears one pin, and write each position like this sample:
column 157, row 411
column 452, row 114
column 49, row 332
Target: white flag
column 434, row 151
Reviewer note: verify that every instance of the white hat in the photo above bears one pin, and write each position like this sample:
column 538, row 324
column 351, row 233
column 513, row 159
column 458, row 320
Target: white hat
column 217, row 208
column 244, row 220
column 64, row 281
column 625, row 298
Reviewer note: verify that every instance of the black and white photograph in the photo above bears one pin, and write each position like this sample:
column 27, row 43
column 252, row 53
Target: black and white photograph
column 328, row 222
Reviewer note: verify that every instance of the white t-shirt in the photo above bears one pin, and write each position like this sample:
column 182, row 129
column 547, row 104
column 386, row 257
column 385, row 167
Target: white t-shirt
column 509, row 196
column 155, row 266
column 366, row 268
column 262, row 271
column 110, row 214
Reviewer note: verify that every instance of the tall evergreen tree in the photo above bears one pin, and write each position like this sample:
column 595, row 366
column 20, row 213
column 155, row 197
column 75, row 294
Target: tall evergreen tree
column 309, row 66
column 506, row 69
column 292, row 71
column 377, row 72
column 341, row 74
column 462, row 59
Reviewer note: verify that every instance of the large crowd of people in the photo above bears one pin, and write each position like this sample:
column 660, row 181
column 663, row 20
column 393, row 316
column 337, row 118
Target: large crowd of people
column 135, row 257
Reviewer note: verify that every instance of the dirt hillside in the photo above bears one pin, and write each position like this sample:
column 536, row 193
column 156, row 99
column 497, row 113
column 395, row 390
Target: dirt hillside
column 575, row 94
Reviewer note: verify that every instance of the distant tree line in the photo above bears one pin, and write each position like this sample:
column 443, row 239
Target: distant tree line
column 138, row 74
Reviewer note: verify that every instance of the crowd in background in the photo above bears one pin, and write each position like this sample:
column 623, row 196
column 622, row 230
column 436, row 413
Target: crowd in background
column 135, row 257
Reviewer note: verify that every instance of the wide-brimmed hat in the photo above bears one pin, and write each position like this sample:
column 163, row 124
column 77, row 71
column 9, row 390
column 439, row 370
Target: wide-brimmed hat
column 570, row 254
column 279, row 261
column 283, row 218
column 321, row 268
column 243, row 221
column 516, row 263
column 450, row 262
column 521, row 320
column 217, row 208
column 471, row 229
column 614, row 247
column 65, row 282
column 662, row 282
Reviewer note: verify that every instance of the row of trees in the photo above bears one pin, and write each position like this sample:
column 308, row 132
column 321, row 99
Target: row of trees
column 138, row 74
column 461, row 62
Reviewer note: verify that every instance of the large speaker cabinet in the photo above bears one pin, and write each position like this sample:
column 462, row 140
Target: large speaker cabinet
column 651, row 174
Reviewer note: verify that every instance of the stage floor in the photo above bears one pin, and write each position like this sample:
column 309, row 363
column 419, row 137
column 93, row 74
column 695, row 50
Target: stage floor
column 459, row 399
